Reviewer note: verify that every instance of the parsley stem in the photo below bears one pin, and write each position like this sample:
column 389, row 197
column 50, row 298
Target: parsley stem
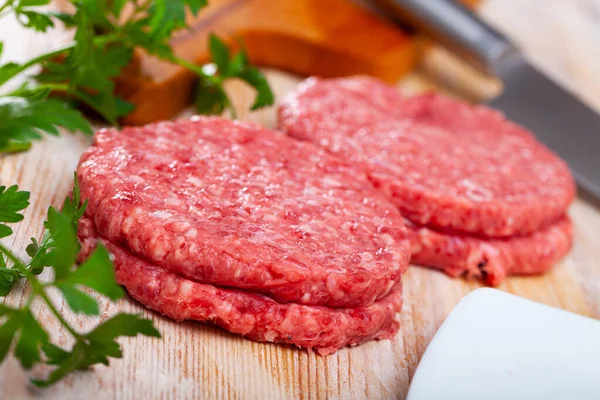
column 57, row 87
column 58, row 316
column 79, row 95
column 191, row 66
column 19, row 265
column 36, row 60
column 38, row 288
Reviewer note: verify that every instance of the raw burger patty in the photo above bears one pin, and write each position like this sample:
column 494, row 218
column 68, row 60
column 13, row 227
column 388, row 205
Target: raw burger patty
column 446, row 164
column 237, row 205
column 492, row 259
column 253, row 316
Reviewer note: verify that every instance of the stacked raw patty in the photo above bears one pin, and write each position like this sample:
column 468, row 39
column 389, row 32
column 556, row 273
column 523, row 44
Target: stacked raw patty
column 269, row 237
column 480, row 194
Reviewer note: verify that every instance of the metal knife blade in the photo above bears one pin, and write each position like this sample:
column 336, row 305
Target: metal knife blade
column 557, row 118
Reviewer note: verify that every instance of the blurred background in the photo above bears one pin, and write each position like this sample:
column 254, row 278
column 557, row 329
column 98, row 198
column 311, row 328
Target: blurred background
column 562, row 37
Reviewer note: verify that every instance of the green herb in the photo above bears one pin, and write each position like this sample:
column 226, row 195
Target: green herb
column 58, row 251
column 105, row 39
column 211, row 98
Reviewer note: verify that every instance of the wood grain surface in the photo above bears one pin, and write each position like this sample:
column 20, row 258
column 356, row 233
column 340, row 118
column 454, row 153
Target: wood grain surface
column 194, row 360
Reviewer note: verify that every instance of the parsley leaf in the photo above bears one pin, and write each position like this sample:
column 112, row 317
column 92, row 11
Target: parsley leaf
column 8, row 70
column 210, row 97
column 33, row 19
column 23, row 119
column 79, row 302
column 8, row 277
column 11, row 202
column 196, row 5
column 44, row 252
column 167, row 16
column 84, row 72
column 68, row 20
column 104, row 42
column 96, row 273
column 38, row 21
column 105, row 334
column 256, row 79
column 138, row 34
column 97, row 12
column 72, row 207
column 220, row 53
column 71, row 361
column 63, row 246
column 55, row 355
column 97, row 346
column 31, row 339
column 58, row 250
column 8, row 330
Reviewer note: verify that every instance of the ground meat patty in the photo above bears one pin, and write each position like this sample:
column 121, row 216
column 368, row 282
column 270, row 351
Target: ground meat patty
column 446, row 164
column 253, row 316
column 236, row 205
column 492, row 259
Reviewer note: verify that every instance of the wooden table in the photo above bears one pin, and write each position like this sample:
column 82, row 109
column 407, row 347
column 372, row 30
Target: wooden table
column 199, row 361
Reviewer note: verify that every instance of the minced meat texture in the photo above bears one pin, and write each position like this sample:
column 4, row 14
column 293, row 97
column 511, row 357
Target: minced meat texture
column 446, row 164
column 492, row 259
column 236, row 205
column 251, row 315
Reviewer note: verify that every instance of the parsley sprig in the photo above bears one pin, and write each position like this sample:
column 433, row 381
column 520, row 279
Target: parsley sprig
column 106, row 35
column 58, row 251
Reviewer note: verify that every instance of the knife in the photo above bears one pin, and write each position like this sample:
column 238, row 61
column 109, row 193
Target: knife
column 530, row 98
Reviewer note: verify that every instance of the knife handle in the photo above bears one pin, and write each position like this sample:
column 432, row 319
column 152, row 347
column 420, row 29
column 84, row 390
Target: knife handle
column 456, row 27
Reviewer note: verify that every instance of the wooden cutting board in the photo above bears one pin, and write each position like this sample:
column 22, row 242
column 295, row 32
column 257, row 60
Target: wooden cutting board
column 194, row 360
